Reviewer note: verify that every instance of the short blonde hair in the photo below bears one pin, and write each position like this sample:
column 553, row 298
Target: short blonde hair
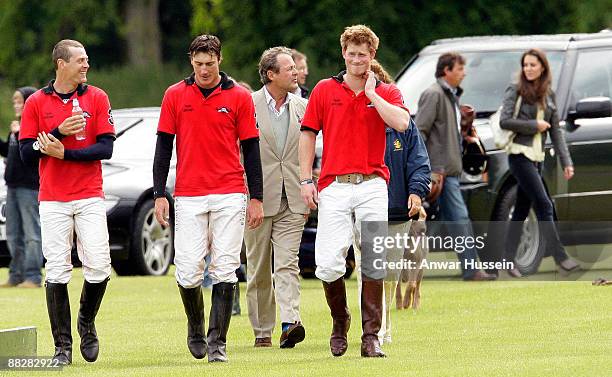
column 359, row 34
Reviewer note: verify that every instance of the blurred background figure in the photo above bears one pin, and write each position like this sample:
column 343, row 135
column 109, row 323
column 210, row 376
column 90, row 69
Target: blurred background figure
column 302, row 67
column 245, row 85
column 22, row 219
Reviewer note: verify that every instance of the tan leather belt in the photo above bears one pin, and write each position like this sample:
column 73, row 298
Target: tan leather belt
column 355, row 178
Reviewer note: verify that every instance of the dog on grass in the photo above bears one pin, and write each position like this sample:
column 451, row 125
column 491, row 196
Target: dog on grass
column 412, row 277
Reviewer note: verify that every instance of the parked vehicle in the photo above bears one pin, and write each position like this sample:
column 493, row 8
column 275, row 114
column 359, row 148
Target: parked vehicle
column 581, row 65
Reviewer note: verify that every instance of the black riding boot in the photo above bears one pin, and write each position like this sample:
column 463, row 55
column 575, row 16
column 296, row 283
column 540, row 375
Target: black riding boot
column 220, row 315
column 194, row 308
column 58, row 306
column 91, row 298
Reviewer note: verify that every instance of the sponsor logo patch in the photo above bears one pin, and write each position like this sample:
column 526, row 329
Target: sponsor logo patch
column 397, row 145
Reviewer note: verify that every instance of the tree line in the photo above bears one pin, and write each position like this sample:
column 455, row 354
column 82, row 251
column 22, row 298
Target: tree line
column 151, row 33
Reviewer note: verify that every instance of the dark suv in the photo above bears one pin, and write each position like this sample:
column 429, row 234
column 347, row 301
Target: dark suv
column 581, row 65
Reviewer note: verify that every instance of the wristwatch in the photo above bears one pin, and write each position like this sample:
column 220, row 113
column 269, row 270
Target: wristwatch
column 306, row 181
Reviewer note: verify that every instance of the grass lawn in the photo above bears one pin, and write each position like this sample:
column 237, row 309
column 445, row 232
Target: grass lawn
column 503, row 328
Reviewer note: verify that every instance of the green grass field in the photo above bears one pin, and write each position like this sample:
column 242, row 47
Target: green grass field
column 503, row 328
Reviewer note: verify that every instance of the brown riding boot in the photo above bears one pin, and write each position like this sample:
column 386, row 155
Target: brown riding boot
column 335, row 293
column 371, row 317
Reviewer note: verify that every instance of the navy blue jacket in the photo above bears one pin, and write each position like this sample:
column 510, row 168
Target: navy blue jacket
column 408, row 162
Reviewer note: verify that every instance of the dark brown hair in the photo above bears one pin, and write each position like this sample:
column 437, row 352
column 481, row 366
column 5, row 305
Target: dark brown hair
column 62, row 50
column 535, row 91
column 380, row 72
column 448, row 60
column 206, row 43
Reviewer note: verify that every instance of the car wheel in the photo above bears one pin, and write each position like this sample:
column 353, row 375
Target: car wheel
column 531, row 246
column 152, row 245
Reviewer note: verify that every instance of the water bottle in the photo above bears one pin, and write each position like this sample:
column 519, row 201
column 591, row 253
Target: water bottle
column 76, row 110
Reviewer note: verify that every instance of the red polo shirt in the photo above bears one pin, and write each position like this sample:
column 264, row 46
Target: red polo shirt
column 62, row 180
column 207, row 133
column 354, row 138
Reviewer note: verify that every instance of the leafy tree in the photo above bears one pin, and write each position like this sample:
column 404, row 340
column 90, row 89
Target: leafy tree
column 142, row 32
column 30, row 29
column 404, row 27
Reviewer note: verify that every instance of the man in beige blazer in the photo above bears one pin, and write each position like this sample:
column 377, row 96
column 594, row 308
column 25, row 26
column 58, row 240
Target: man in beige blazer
column 277, row 241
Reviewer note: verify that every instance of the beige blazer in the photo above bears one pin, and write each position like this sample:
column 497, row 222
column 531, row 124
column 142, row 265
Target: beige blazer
column 284, row 167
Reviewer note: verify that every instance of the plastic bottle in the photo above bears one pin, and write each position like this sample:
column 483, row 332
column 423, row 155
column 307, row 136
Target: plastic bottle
column 76, row 110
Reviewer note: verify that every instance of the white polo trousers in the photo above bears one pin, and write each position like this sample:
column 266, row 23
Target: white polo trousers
column 342, row 208
column 208, row 224
column 58, row 223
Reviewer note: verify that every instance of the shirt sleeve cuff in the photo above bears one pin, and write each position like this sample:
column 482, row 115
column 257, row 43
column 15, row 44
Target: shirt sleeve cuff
column 306, row 128
column 56, row 132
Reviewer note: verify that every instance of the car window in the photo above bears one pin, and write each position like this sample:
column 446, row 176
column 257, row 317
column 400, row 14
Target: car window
column 488, row 74
column 593, row 75
column 121, row 123
column 138, row 142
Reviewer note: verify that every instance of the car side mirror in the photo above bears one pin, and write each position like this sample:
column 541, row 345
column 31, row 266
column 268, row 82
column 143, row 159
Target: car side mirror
column 592, row 107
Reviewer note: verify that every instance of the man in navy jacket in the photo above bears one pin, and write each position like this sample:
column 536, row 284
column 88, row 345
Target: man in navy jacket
column 408, row 162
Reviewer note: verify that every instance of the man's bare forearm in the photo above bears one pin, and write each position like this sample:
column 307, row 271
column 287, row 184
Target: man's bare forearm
column 394, row 116
column 306, row 153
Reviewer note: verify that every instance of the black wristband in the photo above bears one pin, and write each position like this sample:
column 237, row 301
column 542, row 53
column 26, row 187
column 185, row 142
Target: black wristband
column 56, row 132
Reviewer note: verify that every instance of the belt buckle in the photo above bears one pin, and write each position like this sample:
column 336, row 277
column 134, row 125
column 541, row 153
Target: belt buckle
column 358, row 178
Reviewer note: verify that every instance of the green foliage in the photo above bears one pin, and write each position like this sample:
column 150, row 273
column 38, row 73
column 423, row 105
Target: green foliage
column 174, row 18
column 7, row 114
column 30, row 29
column 593, row 15
column 137, row 87
column 404, row 27
column 125, row 86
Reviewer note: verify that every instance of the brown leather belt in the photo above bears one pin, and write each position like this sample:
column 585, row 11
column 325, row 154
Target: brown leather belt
column 355, row 178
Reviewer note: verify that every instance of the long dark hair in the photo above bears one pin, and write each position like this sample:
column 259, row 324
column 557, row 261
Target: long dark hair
column 26, row 91
column 537, row 90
